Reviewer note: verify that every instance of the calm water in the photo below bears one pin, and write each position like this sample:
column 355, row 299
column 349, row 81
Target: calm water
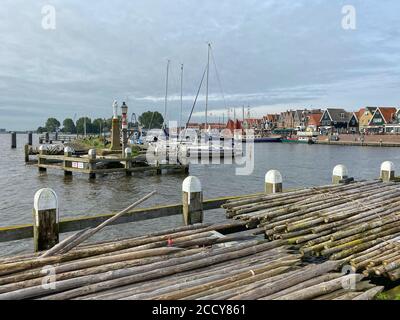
column 300, row 165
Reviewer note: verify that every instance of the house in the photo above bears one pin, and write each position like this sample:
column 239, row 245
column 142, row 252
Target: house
column 335, row 120
column 365, row 116
column 252, row 123
column 394, row 128
column 313, row 121
column 353, row 124
column 286, row 120
column 382, row 117
column 271, row 121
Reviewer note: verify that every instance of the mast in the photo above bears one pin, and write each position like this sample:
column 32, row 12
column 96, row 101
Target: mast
column 166, row 95
column 180, row 117
column 208, row 71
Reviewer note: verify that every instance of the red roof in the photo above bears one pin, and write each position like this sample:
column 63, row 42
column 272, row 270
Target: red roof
column 387, row 113
column 314, row 119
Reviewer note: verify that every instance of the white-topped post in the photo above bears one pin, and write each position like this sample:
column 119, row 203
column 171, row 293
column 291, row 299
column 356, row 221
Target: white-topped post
column 66, row 163
column 128, row 162
column 42, row 152
column 273, row 182
column 92, row 163
column 339, row 173
column 45, row 219
column 192, row 200
column 387, row 171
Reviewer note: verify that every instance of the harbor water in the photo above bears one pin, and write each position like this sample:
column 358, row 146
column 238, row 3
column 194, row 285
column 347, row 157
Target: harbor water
column 300, row 164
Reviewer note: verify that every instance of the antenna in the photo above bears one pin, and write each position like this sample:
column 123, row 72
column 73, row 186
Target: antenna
column 208, row 71
column 180, row 117
column 166, row 95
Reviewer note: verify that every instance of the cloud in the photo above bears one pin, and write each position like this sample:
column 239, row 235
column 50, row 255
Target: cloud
column 269, row 55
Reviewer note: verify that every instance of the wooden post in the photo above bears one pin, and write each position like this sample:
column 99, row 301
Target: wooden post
column 192, row 201
column 42, row 152
column 128, row 162
column 30, row 138
column 387, row 171
column 92, row 163
column 339, row 173
column 13, row 140
column 45, row 219
column 26, row 152
column 67, row 153
column 273, row 182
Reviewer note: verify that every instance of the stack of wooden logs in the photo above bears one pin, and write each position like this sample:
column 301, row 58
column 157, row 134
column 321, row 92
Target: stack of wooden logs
column 354, row 223
column 191, row 262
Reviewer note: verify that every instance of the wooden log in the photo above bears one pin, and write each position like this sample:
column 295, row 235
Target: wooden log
column 369, row 294
column 320, row 289
column 307, row 273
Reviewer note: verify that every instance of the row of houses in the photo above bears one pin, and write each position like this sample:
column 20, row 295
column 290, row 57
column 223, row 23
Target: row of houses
column 366, row 120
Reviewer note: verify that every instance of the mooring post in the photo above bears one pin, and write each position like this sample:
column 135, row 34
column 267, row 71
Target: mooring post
column 67, row 153
column 387, row 171
column 128, row 162
column 13, row 140
column 273, row 182
column 339, row 174
column 92, row 163
column 41, row 160
column 192, row 201
column 45, row 219
column 30, row 138
column 26, row 152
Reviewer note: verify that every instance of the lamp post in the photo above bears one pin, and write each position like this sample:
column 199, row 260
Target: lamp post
column 124, row 111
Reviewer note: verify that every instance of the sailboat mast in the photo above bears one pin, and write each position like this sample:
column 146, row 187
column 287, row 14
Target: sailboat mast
column 166, row 95
column 208, row 70
column 180, row 117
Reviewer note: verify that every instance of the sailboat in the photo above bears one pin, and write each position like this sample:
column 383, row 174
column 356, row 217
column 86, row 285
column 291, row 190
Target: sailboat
column 189, row 142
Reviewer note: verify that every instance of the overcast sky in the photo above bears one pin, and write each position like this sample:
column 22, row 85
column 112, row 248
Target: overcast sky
column 270, row 55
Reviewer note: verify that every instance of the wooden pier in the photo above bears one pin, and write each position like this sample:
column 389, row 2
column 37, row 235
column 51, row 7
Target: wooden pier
column 93, row 164
column 325, row 242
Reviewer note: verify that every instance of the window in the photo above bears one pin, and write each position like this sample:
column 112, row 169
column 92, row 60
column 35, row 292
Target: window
column 342, row 115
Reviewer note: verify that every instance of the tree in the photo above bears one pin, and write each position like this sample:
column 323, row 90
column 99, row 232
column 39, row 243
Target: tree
column 69, row 126
column 151, row 119
column 41, row 130
column 52, row 125
column 80, row 125
column 98, row 126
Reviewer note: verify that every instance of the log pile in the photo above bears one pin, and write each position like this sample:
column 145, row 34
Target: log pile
column 357, row 223
column 191, row 262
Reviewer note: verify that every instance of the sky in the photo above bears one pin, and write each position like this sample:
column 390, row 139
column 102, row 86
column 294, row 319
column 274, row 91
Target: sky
column 269, row 55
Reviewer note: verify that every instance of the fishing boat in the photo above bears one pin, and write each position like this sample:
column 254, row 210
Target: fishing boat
column 296, row 139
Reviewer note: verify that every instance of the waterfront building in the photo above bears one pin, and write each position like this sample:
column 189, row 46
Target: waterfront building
column 286, row 120
column 252, row 123
column 364, row 117
column 335, row 120
column 383, row 116
column 353, row 122
column 271, row 121
column 314, row 120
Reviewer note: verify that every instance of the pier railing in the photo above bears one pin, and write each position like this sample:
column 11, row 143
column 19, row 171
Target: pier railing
column 25, row 231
